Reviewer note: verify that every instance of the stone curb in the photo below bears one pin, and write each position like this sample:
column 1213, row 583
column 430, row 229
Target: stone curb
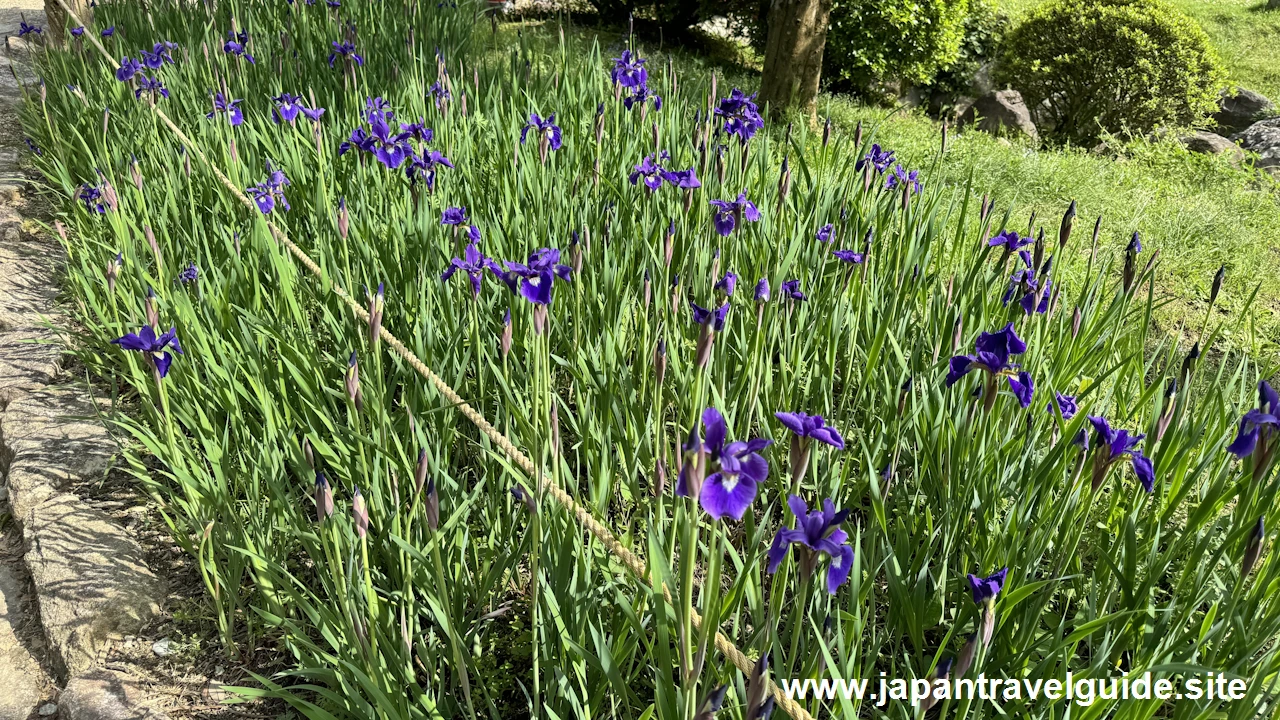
column 91, row 584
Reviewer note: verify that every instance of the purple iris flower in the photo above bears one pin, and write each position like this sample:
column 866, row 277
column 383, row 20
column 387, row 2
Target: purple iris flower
column 727, row 284
column 423, row 166
column 879, row 158
column 391, row 148
column 541, row 262
column 417, row 131
column 92, row 198
column 826, row 232
column 791, row 289
column 24, row 29
column 269, row 193
column 128, row 68
column 1066, row 406
column 159, row 55
column 1111, row 446
column 545, row 128
column 473, row 262
column 640, row 96
column 155, row 347
column 1024, row 285
column 152, row 86
column 900, row 177
column 985, row 589
column 715, row 318
column 1023, row 387
column 1258, row 425
column 537, row 289
column 77, row 31
column 816, row 534
column 811, row 426
column 992, row 356
column 1010, row 241
column 287, row 108
column 346, row 51
column 738, row 470
column 188, row 275
column 109, row 31
column 683, row 179
column 32, row 144
column 741, row 115
column 454, row 216
column 238, row 45
column 729, row 213
column 648, row 170
column 849, row 256
column 230, row 107
column 629, row 71
column 762, row 290
column 313, row 114
column 439, row 94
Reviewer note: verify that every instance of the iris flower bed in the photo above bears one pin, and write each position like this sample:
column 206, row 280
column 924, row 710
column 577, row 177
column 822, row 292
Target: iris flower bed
column 860, row 422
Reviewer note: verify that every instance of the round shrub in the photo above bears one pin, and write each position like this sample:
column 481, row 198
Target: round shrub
column 908, row 40
column 1090, row 67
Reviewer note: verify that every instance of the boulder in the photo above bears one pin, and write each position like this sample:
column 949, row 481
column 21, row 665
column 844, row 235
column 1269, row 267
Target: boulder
column 1212, row 144
column 1239, row 110
column 1001, row 113
column 1263, row 138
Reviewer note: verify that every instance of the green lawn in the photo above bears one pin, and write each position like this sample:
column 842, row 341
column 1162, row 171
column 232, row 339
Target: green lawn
column 1246, row 35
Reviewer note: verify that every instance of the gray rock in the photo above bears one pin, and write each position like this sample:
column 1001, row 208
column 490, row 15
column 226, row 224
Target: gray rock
column 20, row 675
column 1239, row 110
column 1263, row 138
column 1212, row 144
column 90, row 579
column 53, row 440
column 105, row 695
column 48, row 709
column 1001, row 113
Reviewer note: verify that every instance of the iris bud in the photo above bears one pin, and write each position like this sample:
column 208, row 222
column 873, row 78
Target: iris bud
column 324, row 498
column 1217, row 283
column 431, row 504
column 1253, row 548
column 965, row 658
column 360, row 513
column 1068, row 221
column 660, row 361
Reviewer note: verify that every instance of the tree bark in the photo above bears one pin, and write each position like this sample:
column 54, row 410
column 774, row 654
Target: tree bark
column 793, row 54
column 56, row 18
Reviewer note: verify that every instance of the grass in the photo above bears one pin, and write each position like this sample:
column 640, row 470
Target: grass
column 1200, row 212
column 507, row 608
column 1245, row 34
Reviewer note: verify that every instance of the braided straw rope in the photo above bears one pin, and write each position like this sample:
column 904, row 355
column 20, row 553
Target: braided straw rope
column 633, row 562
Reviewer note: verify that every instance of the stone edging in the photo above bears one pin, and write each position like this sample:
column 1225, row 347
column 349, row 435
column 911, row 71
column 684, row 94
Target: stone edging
column 87, row 581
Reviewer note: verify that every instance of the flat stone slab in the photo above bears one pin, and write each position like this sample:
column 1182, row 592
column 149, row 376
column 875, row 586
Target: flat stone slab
column 21, row 678
column 52, row 438
column 90, row 578
column 104, row 695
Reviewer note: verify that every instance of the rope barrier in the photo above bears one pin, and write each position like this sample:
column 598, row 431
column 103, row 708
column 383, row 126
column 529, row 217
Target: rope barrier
column 633, row 562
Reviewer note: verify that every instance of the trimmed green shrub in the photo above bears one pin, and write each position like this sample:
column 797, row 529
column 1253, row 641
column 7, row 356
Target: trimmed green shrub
column 875, row 40
column 1091, row 67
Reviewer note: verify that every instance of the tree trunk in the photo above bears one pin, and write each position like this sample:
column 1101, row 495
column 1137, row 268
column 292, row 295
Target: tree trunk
column 793, row 54
column 56, row 18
